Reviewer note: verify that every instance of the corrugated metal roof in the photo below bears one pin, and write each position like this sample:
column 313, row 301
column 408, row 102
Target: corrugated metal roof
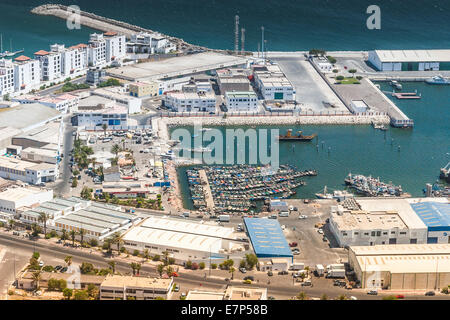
column 435, row 215
column 267, row 237
column 413, row 55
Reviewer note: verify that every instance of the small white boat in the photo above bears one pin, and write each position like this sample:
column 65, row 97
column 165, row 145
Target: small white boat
column 437, row 80
column 396, row 84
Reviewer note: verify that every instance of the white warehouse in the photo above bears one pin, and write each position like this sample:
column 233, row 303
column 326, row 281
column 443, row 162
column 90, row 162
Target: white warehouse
column 241, row 101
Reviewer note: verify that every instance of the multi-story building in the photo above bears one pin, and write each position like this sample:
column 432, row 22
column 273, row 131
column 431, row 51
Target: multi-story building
column 63, row 103
column 96, row 50
column 144, row 89
column 26, row 171
column 74, row 59
column 7, row 82
column 272, row 83
column 146, row 43
column 27, row 73
column 51, row 64
column 190, row 101
column 135, row 288
column 115, row 46
column 241, row 101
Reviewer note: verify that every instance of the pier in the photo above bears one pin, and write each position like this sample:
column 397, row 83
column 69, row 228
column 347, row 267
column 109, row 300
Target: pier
column 207, row 190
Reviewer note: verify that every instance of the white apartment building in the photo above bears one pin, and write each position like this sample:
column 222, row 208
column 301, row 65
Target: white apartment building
column 97, row 50
column 241, row 101
column 377, row 223
column 146, row 43
column 51, row 64
column 73, row 59
column 191, row 101
column 116, row 48
column 7, row 82
column 15, row 197
column 27, row 73
column 272, row 83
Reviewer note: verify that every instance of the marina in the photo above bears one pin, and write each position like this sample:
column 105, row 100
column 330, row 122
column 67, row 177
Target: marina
column 237, row 188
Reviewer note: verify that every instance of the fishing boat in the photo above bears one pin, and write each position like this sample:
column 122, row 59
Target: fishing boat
column 8, row 53
column 339, row 195
column 396, row 85
column 299, row 137
column 437, row 80
column 373, row 187
column 379, row 126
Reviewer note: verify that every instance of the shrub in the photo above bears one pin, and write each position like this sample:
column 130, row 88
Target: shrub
column 135, row 253
column 93, row 242
column 335, row 70
column 213, row 266
column 202, row 265
column 188, row 264
column 36, row 255
column 81, row 295
column 48, row 269
column 156, row 257
column 171, row 260
column 194, row 266
column 331, row 59
column 87, row 268
column 445, row 290
column 340, row 78
column 359, row 77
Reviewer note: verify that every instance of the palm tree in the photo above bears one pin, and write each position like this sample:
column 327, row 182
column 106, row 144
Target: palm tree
column 133, row 267
column 115, row 149
column 166, row 257
column 36, row 277
column 146, row 254
column 169, row 270
column 68, row 260
column 43, row 217
column 232, row 270
column 11, row 223
column 64, row 235
column 112, row 265
column 73, row 234
column 104, row 127
column 160, row 269
column 117, row 238
column 138, row 268
column 82, row 233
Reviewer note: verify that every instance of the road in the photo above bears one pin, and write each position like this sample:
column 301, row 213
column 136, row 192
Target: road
column 55, row 254
column 62, row 186
column 55, row 88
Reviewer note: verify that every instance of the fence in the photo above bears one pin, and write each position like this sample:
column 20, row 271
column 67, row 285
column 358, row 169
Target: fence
column 270, row 114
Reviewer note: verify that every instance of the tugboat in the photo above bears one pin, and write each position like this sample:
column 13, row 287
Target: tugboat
column 437, row 80
column 299, row 137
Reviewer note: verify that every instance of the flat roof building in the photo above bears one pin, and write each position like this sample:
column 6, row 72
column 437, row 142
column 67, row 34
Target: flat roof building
column 267, row 238
column 402, row 267
column 135, row 288
column 245, row 101
column 410, row 60
column 16, row 197
column 241, row 293
column 185, row 240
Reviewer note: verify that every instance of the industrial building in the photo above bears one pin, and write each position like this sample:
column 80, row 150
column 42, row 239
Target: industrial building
column 63, row 103
column 15, row 197
column 144, row 89
column 184, row 240
column 26, row 117
column 116, row 287
column 402, row 266
column 190, row 101
column 13, row 168
column 233, row 80
column 241, row 101
column 272, row 83
column 410, row 60
column 391, row 221
column 267, row 239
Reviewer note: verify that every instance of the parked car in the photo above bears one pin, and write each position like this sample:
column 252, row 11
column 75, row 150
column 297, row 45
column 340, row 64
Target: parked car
column 251, row 278
column 372, row 292
column 430, row 293
column 400, row 296
column 247, row 281
column 353, row 298
column 57, row 268
column 177, row 288
column 64, row 269
column 302, row 216
column 274, row 216
column 320, row 231
column 306, row 283
column 174, row 274
column 324, row 239
column 41, row 263
column 293, row 244
column 243, row 270
column 269, row 273
column 283, row 273
column 295, row 252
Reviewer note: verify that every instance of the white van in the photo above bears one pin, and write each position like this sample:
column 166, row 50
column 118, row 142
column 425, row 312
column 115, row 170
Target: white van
column 284, row 214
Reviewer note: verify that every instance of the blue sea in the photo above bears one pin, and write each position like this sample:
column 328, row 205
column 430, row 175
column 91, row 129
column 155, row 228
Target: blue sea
column 289, row 25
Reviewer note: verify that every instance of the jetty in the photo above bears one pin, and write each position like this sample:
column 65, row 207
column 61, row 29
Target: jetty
column 406, row 95
column 104, row 24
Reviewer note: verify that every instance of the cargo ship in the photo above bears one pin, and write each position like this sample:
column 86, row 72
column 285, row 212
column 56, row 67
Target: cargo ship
column 299, row 137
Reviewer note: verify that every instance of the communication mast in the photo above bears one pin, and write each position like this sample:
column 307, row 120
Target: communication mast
column 242, row 41
column 236, row 35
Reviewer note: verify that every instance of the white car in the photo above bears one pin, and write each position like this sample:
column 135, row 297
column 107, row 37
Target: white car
column 302, row 216
column 320, row 231
column 353, row 298
column 41, row 264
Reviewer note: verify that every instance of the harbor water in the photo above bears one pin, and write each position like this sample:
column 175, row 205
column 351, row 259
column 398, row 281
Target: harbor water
column 289, row 25
column 407, row 157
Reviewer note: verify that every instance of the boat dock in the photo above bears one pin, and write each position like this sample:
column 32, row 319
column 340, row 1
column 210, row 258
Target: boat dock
column 207, row 190
column 406, row 95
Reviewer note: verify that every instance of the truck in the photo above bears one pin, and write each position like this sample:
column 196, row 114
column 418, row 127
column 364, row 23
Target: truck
column 320, row 270
column 224, row 218
column 336, row 273
column 298, row 266
column 339, row 266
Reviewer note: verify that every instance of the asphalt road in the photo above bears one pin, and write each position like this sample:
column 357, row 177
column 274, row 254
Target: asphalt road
column 53, row 89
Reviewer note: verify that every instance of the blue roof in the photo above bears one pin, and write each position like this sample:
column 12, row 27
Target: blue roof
column 435, row 215
column 267, row 238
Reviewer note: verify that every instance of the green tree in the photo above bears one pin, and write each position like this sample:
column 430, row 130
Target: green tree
column 11, row 224
column 68, row 260
column 112, row 266
column 87, row 268
column 104, row 127
column 213, row 265
column 67, row 293
column 251, row 260
column 202, row 265
column 138, row 268
column 93, row 242
column 92, row 291
column 160, row 269
column 81, row 295
column 188, row 264
column 341, row 297
column 36, row 275
column 302, row 296
column 232, row 270
column 242, row 264
column 73, row 234
column 115, row 149
column 166, row 257
column 133, row 267
column 82, row 232
column 64, row 235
